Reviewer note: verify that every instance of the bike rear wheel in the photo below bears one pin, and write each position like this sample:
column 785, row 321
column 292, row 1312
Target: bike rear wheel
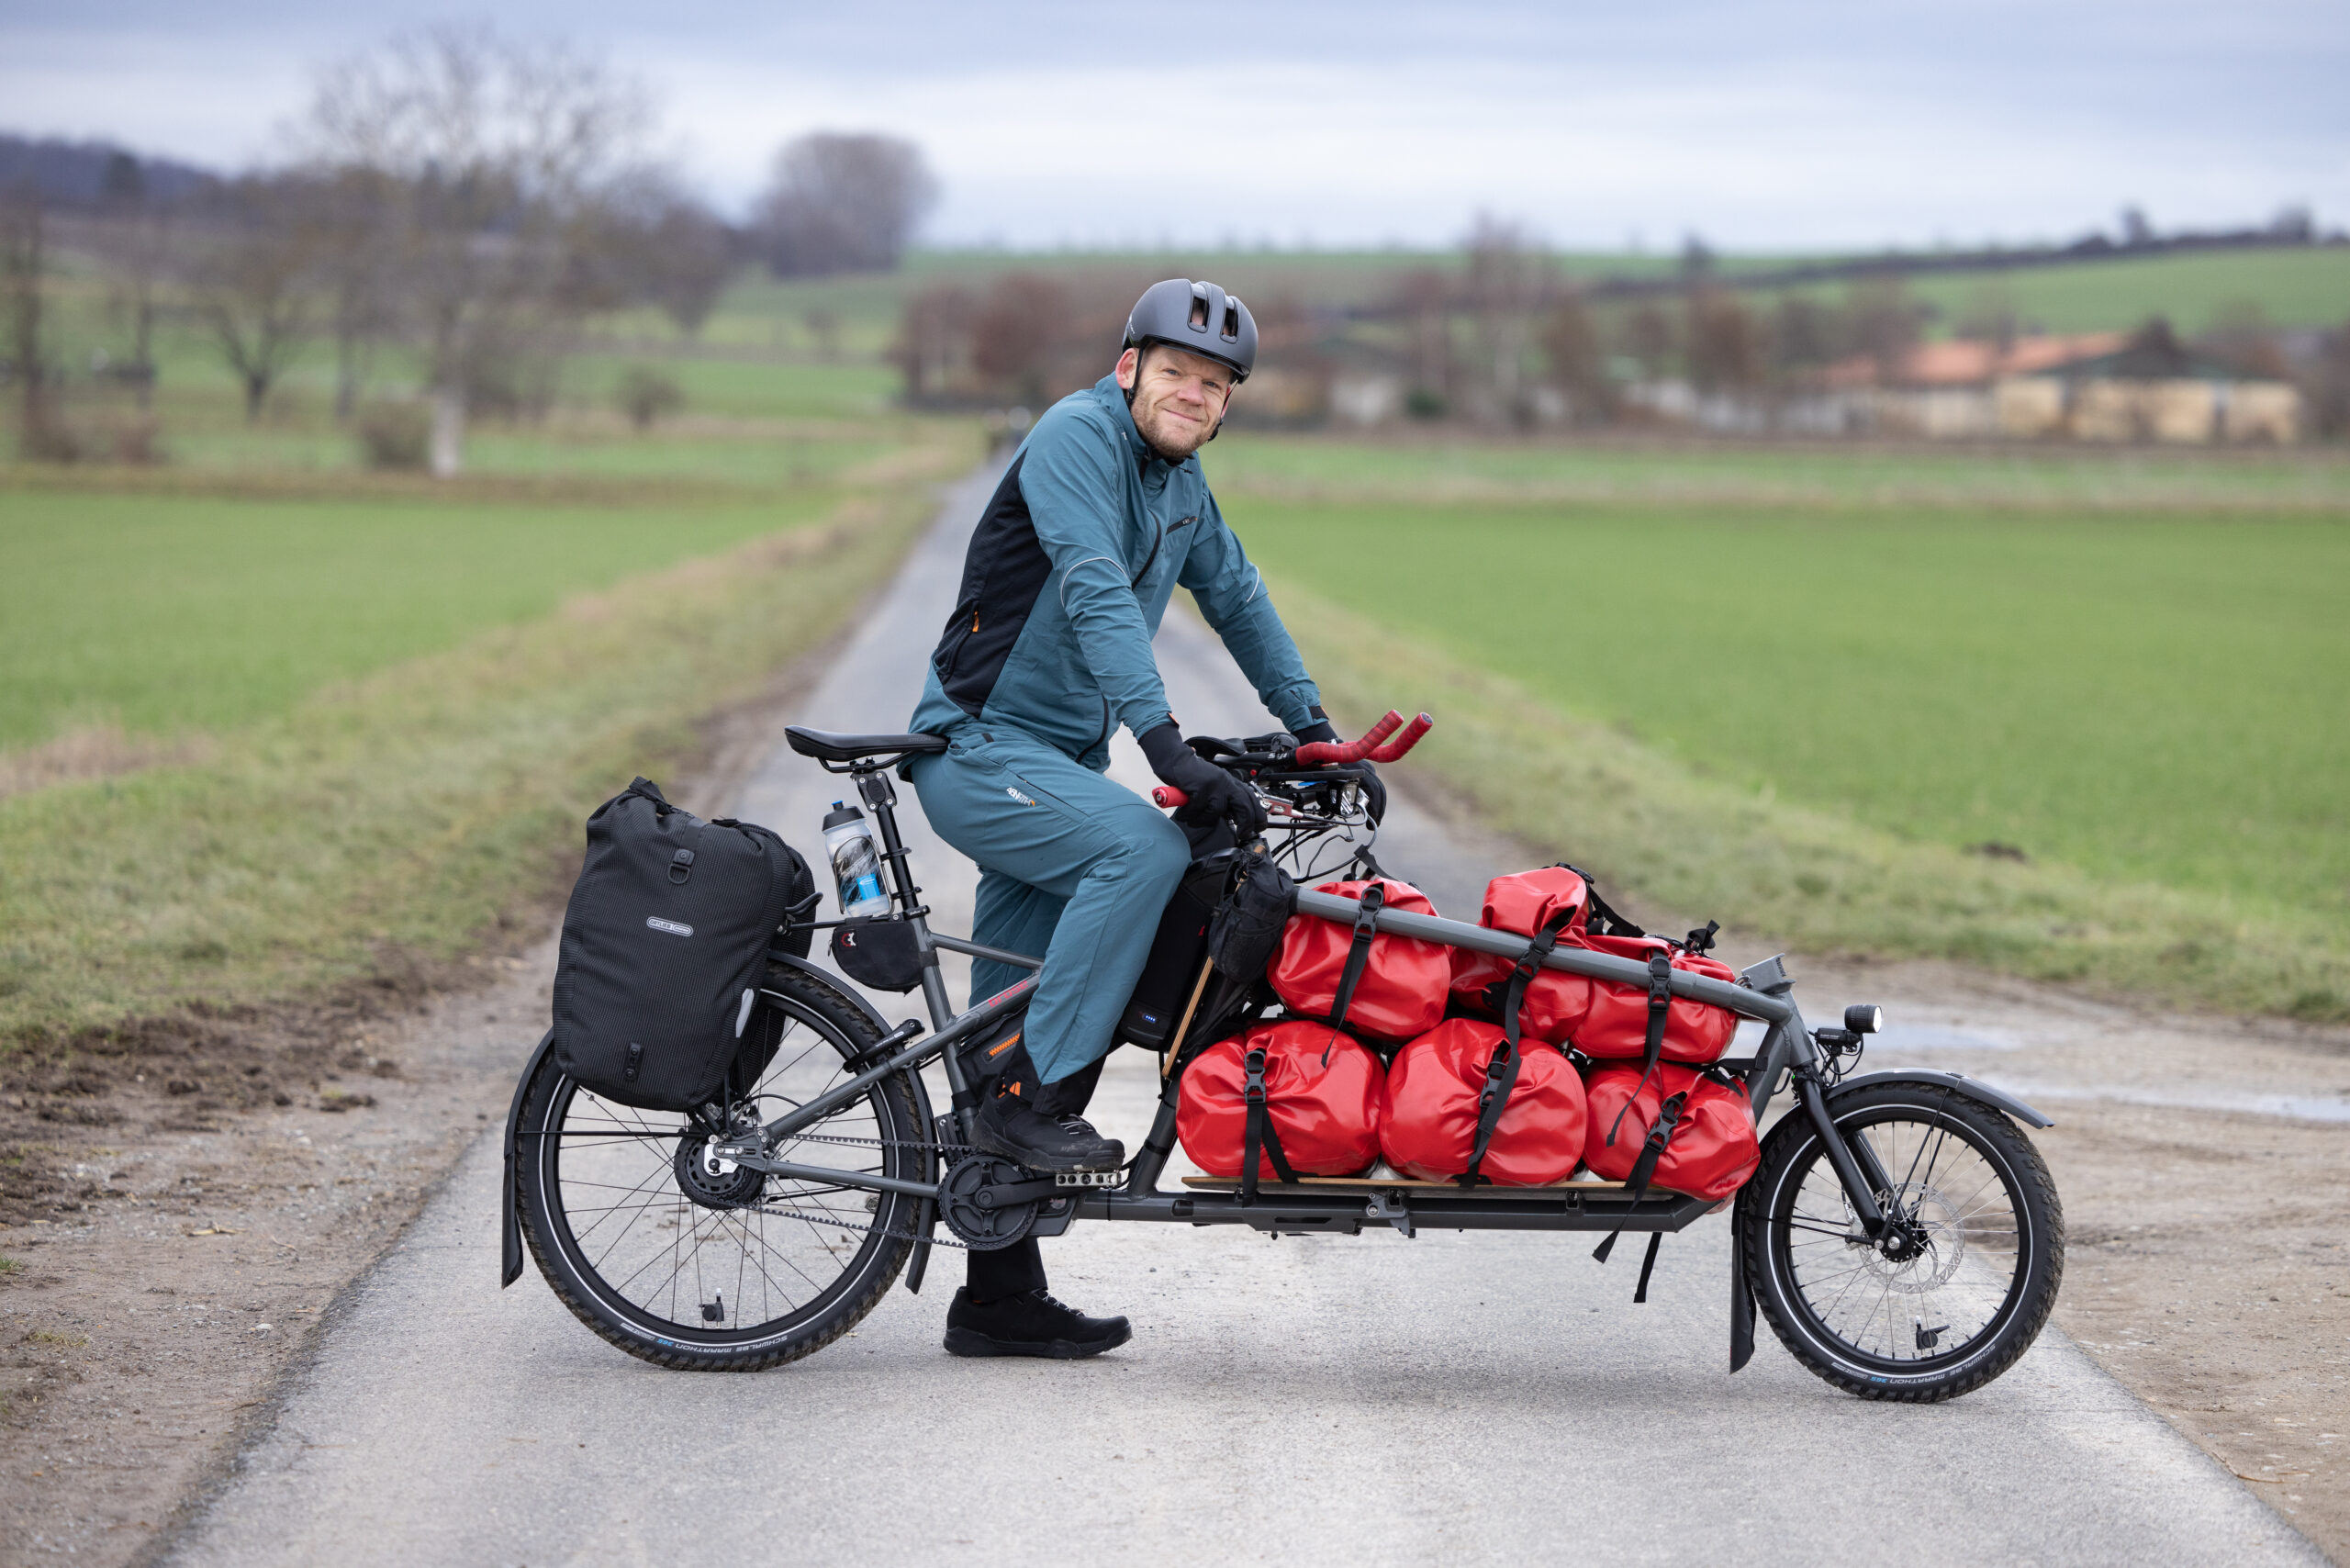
column 692, row 1262
column 1965, row 1276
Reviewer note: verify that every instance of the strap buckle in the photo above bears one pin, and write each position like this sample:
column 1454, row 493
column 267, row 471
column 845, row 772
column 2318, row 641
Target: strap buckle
column 1255, row 1062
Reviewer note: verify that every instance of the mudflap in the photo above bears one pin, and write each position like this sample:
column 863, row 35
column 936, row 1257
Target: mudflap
column 509, row 1207
column 1741, row 1298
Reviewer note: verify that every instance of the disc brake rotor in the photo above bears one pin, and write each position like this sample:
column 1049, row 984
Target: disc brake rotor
column 1929, row 1251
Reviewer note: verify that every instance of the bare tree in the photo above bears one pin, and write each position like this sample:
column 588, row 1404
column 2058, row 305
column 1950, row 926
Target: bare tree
column 1804, row 334
column 660, row 245
column 355, row 214
column 136, row 236
column 1649, row 338
column 1728, row 350
column 1422, row 297
column 1882, row 321
column 502, row 157
column 1018, row 336
column 1509, row 278
column 842, row 204
column 253, row 282
column 23, row 267
column 933, row 350
column 1577, row 358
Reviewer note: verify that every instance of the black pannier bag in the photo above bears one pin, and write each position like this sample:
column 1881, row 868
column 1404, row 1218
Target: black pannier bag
column 1176, row 951
column 664, row 945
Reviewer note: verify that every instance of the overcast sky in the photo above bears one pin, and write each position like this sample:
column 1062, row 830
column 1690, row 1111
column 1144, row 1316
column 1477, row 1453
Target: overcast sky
column 1760, row 124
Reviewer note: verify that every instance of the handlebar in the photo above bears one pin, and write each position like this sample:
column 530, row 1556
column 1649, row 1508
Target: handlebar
column 1314, row 753
column 1375, row 747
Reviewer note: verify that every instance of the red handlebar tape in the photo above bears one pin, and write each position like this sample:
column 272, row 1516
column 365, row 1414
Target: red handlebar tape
column 1314, row 753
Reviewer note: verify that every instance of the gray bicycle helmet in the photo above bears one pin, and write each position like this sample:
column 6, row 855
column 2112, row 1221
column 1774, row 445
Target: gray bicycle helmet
column 1199, row 317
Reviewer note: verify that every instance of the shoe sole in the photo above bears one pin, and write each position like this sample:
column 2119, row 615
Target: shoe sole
column 971, row 1342
column 1033, row 1162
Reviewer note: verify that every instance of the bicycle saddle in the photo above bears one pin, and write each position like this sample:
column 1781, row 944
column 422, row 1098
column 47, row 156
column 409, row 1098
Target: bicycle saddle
column 826, row 746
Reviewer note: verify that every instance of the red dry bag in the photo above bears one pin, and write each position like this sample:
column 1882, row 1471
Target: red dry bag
column 1305, row 1094
column 1390, row 987
column 1623, row 1018
column 1679, row 1129
column 1452, row 1089
column 1551, row 900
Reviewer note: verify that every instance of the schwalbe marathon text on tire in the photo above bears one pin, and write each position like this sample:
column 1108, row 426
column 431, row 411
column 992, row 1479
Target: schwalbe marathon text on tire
column 811, row 1000
column 1793, row 1148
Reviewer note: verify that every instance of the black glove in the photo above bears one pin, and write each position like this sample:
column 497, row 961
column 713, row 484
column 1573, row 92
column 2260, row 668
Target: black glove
column 1374, row 793
column 1213, row 793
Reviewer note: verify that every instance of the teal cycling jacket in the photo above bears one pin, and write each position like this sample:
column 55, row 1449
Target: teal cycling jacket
column 1069, row 571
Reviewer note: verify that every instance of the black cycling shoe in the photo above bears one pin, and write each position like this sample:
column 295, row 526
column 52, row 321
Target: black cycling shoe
column 1029, row 1324
column 1010, row 1125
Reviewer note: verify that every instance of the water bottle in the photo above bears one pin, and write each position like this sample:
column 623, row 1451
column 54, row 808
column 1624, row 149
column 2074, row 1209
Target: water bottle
column 857, row 864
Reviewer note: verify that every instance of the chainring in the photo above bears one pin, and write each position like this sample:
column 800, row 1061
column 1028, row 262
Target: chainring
column 984, row 1229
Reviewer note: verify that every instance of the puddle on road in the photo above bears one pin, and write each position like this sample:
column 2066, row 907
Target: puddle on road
column 1913, row 1041
column 2301, row 1107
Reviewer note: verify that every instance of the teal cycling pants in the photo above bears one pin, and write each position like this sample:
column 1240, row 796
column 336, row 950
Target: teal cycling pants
column 1073, row 866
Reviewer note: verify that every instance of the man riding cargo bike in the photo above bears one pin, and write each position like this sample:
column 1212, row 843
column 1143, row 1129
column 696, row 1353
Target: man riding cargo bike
column 722, row 1157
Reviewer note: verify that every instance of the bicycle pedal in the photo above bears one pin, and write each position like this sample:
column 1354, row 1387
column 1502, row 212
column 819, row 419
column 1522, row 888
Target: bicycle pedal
column 1088, row 1178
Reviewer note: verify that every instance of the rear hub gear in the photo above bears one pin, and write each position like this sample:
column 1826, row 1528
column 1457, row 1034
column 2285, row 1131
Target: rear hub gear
column 710, row 1179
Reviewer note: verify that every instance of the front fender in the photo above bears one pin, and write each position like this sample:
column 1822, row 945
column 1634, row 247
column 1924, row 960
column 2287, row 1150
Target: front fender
column 1972, row 1087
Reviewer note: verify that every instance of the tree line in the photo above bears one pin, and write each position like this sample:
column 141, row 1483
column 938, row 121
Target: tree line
column 1506, row 338
column 463, row 199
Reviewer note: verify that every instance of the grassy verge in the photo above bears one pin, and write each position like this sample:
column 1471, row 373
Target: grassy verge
column 1813, row 879
column 402, row 815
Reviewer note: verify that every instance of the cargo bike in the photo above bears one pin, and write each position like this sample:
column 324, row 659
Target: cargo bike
column 1900, row 1232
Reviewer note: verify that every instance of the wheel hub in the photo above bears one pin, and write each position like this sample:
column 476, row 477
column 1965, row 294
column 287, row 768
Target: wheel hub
column 710, row 1179
column 1922, row 1243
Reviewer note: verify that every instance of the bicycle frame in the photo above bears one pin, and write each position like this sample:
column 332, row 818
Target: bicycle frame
column 1764, row 993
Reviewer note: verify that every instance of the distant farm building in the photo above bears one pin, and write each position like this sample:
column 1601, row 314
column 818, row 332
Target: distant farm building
column 2100, row 386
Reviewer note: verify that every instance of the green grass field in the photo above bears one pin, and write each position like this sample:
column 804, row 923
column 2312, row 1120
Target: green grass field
column 165, row 613
column 2140, row 697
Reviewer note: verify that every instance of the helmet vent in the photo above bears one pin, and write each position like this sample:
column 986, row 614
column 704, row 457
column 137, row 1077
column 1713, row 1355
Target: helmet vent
column 1200, row 311
column 1231, row 321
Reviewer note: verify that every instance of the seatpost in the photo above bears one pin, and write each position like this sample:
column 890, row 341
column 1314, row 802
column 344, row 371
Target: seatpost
column 873, row 787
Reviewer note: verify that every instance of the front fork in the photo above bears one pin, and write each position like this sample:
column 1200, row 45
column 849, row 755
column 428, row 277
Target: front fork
column 1855, row 1162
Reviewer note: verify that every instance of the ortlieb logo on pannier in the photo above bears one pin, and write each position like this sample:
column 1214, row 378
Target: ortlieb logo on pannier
column 664, row 942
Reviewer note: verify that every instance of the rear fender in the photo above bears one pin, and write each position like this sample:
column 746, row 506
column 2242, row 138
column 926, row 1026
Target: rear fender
column 509, row 1210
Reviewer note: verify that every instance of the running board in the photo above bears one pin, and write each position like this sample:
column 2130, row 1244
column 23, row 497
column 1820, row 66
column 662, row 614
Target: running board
column 1305, row 1185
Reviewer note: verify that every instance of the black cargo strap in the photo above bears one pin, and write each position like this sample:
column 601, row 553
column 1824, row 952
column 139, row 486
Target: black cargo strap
column 1261, row 1134
column 1653, row 1050
column 1601, row 919
column 1374, row 898
column 1501, row 1071
column 1668, row 1117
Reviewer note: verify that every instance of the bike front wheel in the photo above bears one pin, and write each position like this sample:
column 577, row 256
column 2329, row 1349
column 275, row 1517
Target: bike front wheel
column 690, row 1261
column 1963, row 1276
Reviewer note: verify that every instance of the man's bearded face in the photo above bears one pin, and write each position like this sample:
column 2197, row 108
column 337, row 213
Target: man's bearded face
column 1180, row 398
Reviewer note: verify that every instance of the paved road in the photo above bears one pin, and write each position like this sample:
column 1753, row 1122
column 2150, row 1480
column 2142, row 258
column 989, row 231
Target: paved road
column 1455, row 1398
